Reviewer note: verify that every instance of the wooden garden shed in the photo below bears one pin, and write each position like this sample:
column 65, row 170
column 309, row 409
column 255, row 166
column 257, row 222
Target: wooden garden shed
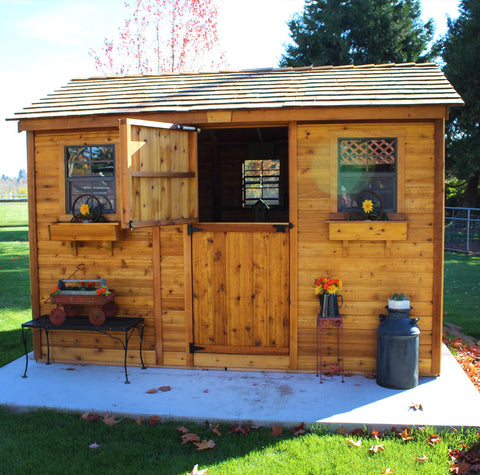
column 218, row 226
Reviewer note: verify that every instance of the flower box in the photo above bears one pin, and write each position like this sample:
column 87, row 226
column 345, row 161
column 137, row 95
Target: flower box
column 84, row 231
column 367, row 230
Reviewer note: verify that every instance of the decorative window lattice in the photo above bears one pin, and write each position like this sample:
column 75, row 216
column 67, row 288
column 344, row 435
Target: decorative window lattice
column 360, row 152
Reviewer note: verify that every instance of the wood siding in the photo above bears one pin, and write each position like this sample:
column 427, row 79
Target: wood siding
column 370, row 269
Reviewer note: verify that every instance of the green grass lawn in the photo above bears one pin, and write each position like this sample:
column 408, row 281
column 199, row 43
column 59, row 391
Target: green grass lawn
column 47, row 442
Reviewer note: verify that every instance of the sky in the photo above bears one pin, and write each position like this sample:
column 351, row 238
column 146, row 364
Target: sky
column 45, row 43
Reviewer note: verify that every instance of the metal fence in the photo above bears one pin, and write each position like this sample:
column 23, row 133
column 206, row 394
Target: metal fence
column 462, row 230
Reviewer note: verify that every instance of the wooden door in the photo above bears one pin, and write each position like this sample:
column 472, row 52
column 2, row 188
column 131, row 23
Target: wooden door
column 240, row 286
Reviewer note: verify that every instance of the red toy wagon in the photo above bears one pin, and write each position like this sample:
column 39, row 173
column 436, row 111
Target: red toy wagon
column 72, row 293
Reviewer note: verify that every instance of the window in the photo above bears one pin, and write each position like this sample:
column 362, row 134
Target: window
column 90, row 170
column 261, row 181
column 261, row 175
column 367, row 164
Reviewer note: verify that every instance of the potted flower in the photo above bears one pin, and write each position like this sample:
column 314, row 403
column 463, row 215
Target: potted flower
column 399, row 302
column 327, row 290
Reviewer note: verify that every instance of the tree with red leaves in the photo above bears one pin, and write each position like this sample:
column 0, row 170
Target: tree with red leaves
column 164, row 36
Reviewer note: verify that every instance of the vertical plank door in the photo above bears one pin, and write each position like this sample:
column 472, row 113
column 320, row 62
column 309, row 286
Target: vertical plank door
column 240, row 275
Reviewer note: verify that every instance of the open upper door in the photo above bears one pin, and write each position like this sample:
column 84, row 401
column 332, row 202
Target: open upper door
column 158, row 173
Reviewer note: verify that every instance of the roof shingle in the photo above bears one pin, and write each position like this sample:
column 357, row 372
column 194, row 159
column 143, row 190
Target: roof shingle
column 326, row 86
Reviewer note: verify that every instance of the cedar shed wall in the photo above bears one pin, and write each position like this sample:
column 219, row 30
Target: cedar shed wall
column 371, row 270
column 129, row 270
column 150, row 259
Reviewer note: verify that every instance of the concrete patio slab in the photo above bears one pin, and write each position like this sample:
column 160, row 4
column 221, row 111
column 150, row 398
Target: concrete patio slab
column 450, row 400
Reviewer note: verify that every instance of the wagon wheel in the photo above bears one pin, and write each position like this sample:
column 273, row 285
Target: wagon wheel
column 87, row 208
column 70, row 310
column 57, row 316
column 110, row 309
column 373, row 199
column 96, row 317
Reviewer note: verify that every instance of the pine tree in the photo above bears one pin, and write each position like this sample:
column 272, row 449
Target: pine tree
column 461, row 53
column 338, row 32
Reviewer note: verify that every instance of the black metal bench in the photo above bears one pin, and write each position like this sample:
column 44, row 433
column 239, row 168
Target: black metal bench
column 113, row 324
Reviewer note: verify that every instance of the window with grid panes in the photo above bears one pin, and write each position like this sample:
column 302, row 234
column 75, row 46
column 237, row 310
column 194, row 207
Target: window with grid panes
column 261, row 175
column 367, row 164
column 90, row 169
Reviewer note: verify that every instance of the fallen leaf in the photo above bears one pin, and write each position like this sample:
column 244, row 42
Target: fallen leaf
column 195, row 471
column 421, row 459
column 375, row 434
column 341, row 430
column 406, row 435
column 416, row 406
column 355, row 444
column 276, row 430
column 387, row 471
column 376, row 448
column 152, row 391
column 90, row 416
column 154, row 420
column 190, row 437
column 164, row 389
column 138, row 421
column 93, row 446
column 205, row 390
column 205, row 444
column 110, row 420
column 183, row 430
column 215, row 430
column 239, row 428
column 433, row 439
column 299, row 429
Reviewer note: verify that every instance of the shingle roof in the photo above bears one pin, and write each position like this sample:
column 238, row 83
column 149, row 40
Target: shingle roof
column 326, row 86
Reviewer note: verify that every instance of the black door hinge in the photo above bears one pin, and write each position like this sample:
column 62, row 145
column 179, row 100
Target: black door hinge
column 192, row 229
column 282, row 227
column 194, row 348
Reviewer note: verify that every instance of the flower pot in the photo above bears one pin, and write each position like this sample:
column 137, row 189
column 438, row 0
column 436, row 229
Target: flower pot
column 398, row 304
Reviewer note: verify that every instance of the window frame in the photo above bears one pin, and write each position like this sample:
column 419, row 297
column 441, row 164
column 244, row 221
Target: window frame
column 70, row 180
column 366, row 175
column 278, row 184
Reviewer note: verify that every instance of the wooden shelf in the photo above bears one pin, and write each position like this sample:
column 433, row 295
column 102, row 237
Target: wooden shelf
column 75, row 232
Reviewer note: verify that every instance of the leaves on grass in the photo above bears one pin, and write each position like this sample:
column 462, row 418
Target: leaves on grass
column 205, row 444
column 468, row 356
column 276, row 430
column 239, row 428
column 154, row 420
column 215, row 429
column 195, row 471
column 183, row 430
column 406, row 434
column 376, row 448
column 93, row 446
column 465, row 460
column 139, row 421
column 299, row 429
column 422, row 459
column 190, row 437
column 111, row 420
column 90, row 416
column 358, row 443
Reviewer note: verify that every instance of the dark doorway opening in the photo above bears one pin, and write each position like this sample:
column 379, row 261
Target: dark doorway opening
column 243, row 174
